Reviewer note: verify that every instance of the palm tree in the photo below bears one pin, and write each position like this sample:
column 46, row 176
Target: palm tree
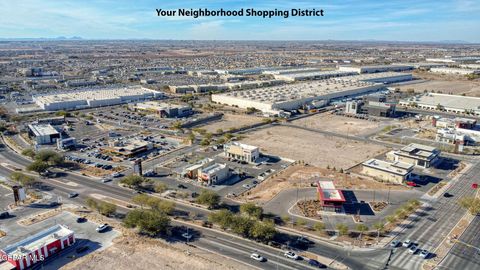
column 379, row 226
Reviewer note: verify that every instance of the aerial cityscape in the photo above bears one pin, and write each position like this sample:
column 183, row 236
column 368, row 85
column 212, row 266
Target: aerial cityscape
column 264, row 153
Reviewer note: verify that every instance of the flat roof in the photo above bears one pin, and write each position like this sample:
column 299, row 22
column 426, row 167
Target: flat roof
column 373, row 76
column 213, row 168
column 328, row 192
column 42, row 129
column 34, row 242
column 244, row 146
column 94, row 94
column 399, row 168
column 291, row 92
column 447, row 101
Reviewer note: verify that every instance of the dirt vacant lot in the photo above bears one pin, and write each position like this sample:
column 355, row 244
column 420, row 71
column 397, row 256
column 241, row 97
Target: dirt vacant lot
column 229, row 121
column 338, row 124
column 457, row 87
column 314, row 148
column 304, row 176
column 132, row 253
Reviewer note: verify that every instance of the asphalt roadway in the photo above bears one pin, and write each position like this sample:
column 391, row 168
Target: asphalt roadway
column 438, row 217
column 355, row 259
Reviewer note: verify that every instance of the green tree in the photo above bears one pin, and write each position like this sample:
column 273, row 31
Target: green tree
column 342, row 229
column 91, row 203
column 29, row 152
column 208, row 198
column 23, row 179
column 286, row 219
column 361, row 228
column 391, row 219
column 50, row 157
column 263, row 230
column 163, row 206
column 471, row 204
column 177, row 125
column 241, row 225
column 380, row 227
column 133, row 181
column 147, row 222
column 223, row 218
column 106, row 208
column 251, row 210
column 191, row 138
column 301, row 222
column 161, row 187
column 205, row 142
column 319, row 226
column 38, row 166
column 219, row 131
column 141, row 199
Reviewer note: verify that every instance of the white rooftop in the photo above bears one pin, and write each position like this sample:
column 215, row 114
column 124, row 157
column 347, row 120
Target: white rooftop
column 33, row 242
column 42, row 129
column 397, row 167
column 447, row 101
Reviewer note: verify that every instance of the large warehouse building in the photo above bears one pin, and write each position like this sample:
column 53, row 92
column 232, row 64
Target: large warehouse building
column 375, row 69
column 295, row 96
column 38, row 247
column 382, row 77
column 94, row 98
column 311, row 75
column 444, row 102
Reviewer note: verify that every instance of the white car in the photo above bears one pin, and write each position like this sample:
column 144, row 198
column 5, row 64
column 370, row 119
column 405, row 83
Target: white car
column 407, row 243
column 291, row 255
column 257, row 257
column 187, row 236
column 102, row 227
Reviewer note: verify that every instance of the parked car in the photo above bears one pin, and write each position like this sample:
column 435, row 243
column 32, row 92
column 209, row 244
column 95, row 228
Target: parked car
column 72, row 195
column 291, row 255
column 257, row 257
column 105, row 180
column 187, row 236
column 4, row 215
column 81, row 219
column 412, row 184
column 102, row 227
column 447, row 195
column 182, row 186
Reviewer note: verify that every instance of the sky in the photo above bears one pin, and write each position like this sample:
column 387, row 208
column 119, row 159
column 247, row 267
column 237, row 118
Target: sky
column 394, row 20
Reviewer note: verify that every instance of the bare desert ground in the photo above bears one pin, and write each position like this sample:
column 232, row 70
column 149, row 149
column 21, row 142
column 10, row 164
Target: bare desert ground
column 339, row 124
column 314, row 148
column 132, row 252
column 456, row 87
column 229, row 121
column 304, row 176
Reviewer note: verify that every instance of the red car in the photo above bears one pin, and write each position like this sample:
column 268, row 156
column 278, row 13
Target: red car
column 412, row 184
column 474, row 185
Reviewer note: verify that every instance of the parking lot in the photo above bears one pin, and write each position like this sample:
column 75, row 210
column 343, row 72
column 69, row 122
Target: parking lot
column 6, row 197
column 85, row 235
column 244, row 176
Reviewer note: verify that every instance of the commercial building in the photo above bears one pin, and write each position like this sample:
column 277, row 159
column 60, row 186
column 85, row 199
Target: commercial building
column 240, row 151
column 423, row 65
column 458, row 136
column 444, row 102
column 382, row 77
column 458, row 122
column 192, row 171
column 373, row 105
column 295, row 96
column 91, row 98
column 213, row 174
column 311, row 75
column 66, row 144
column 416, row 154
column 451, row 70
column 331, row 199
column 190, row 89
column 395, row 172
column 128, row 148
column 43, row 133
column 375, row 69
column 163, row 109
column 38, row 247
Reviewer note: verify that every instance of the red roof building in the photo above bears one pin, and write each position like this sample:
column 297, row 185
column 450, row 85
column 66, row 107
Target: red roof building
column 331, row 199
column 38, row 247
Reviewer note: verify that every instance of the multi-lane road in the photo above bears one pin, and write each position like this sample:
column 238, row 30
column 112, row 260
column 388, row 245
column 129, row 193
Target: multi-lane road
column 215, row 241
column 433, row 223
